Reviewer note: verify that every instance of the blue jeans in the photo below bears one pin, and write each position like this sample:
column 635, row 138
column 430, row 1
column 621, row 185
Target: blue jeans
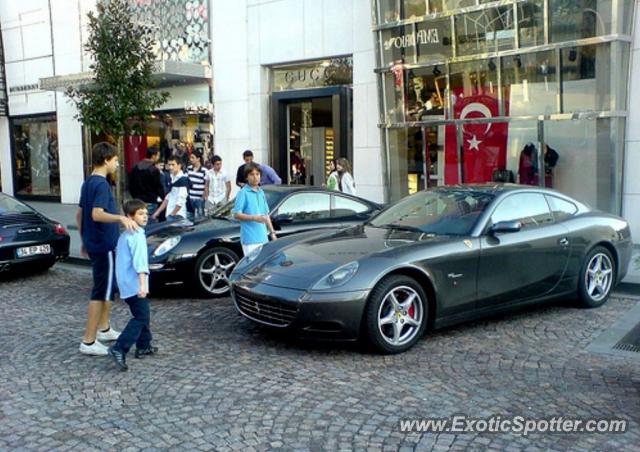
column 137, row 330
column 198, row 209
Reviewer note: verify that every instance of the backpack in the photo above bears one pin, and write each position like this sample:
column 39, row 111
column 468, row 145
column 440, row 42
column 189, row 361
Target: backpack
column 184, row 181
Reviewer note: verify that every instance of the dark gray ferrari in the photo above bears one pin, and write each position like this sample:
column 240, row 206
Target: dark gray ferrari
column 435, row 258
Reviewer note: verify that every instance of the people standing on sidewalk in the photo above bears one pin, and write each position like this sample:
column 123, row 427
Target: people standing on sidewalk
column 252, row 210
column 346, row 184
column 333, row 178
column 269, row 175
column 132, row 273
column 145, row 180
column 97, row 219
column 217, row 187
column 175, row 203
column 197, row 175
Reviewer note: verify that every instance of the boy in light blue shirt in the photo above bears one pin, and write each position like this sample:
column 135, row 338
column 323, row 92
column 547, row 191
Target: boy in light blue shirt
column 132, row 272
column 252, row 210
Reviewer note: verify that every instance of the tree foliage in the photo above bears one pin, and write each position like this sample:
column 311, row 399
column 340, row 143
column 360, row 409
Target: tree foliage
column 121, row 97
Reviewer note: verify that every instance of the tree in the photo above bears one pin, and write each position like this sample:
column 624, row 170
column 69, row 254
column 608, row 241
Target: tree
column 121, row 97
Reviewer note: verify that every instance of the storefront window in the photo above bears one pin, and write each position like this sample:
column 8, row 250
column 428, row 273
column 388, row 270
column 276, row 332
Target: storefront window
column 399, row 44
column 571, row 20
column 474, row 78
column 529, row 84
column 35, row 150
column 395, row 10
column 489, row 30
column 531, row 23
column 394, row 96
column 474, row 115
column 586, row 78
column 449, row 5
column 586, row 153
column 427, row 88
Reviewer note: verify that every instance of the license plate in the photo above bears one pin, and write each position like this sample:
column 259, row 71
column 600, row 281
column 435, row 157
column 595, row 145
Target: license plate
column 33, row 250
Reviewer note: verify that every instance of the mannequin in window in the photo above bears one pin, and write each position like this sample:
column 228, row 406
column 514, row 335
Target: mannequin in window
column 528, row 166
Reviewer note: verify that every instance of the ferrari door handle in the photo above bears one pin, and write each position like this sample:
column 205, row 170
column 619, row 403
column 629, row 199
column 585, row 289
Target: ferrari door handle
column 563, row 241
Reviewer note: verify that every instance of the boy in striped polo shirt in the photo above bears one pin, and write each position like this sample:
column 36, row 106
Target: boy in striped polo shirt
column 197, row 175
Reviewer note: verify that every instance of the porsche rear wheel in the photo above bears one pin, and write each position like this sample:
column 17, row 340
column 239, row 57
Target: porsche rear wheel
column 212, row 271
column 396, row 314
column 597, row 277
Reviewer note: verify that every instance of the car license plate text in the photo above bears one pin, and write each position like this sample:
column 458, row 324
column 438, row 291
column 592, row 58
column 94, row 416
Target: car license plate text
column 33, row 250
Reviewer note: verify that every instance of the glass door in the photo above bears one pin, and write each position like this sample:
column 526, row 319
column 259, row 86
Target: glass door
column 311, row 141
column 311, row 128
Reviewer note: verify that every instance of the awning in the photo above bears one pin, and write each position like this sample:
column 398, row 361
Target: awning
column 166, row 73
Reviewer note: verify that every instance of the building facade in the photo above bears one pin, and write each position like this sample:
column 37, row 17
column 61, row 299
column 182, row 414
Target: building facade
column 44, row 150
column 295, row 83
column 415, row 93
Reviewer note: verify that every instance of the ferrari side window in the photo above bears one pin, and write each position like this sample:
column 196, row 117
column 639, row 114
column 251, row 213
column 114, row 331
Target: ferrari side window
column 530, row 209
column 561, row 209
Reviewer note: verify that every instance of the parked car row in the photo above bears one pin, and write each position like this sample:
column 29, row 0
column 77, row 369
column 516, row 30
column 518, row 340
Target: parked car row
column 347, row 268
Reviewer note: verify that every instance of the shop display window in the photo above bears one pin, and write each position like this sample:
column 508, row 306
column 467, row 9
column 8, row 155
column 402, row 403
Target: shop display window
column 586, row 78
column 487, row 30
column 570, row 19
column 35, row 152
column 529, row 83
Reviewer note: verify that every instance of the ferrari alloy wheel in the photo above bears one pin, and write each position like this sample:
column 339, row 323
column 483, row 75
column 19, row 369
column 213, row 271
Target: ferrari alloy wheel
column 213, row 269
column 396, row 314
column 596, row 278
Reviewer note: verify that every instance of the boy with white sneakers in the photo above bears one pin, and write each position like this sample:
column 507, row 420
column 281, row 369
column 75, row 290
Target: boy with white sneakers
column 97, row 219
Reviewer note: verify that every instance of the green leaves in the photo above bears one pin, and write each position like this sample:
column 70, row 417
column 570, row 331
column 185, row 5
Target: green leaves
column 121, row 98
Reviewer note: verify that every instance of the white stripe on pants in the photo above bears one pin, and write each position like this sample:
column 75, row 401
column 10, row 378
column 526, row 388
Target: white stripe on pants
column 110, row 281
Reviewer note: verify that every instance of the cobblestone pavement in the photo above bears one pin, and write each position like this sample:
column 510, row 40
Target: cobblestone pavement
column 221, row 383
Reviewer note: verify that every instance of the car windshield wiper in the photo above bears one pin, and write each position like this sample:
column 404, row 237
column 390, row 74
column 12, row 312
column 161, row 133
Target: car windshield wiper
column 401, row 227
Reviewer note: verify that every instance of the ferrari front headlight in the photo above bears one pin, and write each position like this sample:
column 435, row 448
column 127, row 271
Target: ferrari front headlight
column 338, row 277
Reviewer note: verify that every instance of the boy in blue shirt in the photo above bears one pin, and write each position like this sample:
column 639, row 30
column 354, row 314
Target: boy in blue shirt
column 132, row 270
column 97, row 219
column 251, row 209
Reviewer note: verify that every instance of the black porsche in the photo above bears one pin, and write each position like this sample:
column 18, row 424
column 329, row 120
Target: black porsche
column 204, row 254
column 28, row 239
column 435, row 258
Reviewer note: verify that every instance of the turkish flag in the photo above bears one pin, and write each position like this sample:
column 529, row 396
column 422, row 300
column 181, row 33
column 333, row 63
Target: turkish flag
column 484, row 144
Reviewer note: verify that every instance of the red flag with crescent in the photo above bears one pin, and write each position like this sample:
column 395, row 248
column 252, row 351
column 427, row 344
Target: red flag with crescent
column 484, row 144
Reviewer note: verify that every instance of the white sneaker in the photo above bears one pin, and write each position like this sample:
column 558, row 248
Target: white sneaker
column 109, row 335
column 96, row 349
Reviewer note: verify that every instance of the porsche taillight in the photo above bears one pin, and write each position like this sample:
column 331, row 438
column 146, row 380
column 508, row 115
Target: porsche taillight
column 60, row 230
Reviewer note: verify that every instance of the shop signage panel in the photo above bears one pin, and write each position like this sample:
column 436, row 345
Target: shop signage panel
column 425, row 41
column 315, row 74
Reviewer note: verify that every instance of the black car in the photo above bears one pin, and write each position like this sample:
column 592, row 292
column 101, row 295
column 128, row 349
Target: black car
column 433, row 259
column 28, row 239
column 204, row 254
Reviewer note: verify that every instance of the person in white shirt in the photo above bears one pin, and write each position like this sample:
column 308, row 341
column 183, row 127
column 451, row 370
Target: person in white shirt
column 218, row 186
column 176, row 201
column 346, row 184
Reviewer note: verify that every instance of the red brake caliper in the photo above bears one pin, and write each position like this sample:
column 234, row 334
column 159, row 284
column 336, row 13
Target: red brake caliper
column 411, row 311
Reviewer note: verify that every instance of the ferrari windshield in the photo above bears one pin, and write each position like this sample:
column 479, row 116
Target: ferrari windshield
column 453, row 212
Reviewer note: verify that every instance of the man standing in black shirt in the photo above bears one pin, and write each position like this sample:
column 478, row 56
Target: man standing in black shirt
column 241, row 180
column 145, row 182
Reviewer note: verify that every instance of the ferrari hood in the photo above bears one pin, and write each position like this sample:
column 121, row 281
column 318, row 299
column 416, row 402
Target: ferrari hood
column 305, row 262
